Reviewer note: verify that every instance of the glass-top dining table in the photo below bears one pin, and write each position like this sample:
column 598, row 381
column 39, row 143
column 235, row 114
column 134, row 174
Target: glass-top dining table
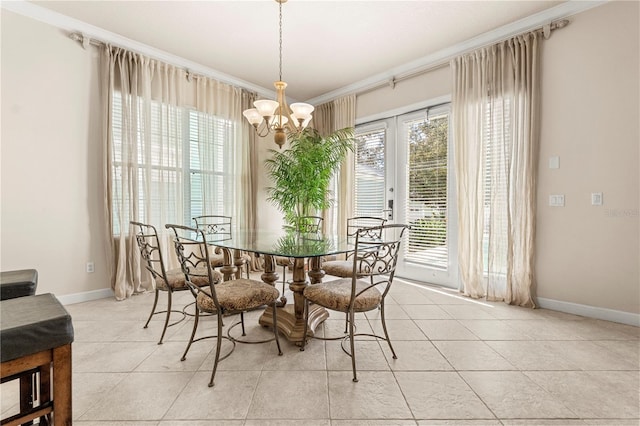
column 305, row 249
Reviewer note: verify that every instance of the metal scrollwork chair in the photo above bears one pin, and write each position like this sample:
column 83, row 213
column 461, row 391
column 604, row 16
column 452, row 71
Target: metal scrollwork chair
column 169, row 281
column 218, row 227
column 344, row 268
column 218, row 297
column 302, row 224
column 373, row 268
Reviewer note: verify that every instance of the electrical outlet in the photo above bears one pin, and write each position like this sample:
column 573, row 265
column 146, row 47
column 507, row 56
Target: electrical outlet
column 596, row 198
column 90, row 268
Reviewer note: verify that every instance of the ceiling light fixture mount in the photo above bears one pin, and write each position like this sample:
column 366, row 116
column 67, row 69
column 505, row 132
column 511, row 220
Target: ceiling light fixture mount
column 276, row 116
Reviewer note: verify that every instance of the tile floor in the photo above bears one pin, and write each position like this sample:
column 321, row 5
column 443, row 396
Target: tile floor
column 460, row 362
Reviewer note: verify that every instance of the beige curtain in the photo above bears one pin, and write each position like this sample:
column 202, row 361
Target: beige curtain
column 327, row 118
column 496, row 130
column 143, row 142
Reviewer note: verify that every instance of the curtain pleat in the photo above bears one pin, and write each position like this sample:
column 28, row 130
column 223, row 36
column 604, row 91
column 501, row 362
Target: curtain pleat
column 496, row 130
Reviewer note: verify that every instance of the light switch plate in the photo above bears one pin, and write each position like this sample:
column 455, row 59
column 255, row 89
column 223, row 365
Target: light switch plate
column 556, row 200
column 554, row 162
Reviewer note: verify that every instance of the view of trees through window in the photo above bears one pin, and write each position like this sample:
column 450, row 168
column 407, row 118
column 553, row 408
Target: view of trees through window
column 427, row 189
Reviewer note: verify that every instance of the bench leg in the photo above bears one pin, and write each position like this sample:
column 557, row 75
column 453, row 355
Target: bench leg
column 62, row 413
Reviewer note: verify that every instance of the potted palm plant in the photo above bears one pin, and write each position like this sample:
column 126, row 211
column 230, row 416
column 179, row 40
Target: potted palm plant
column 302, row 173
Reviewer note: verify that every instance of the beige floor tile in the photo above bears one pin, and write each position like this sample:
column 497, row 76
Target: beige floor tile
column 411, row 298
column 312, row 358
column 544, row 422
column 391, row 312
column 10, row 398
column 132, row 398
column 605, row 394
column 335, row 327
column 445, row 330
column 512, row 395
column 284, row 422
column 112, row 423
column 375, row 396
column 546, row 329
column 441, row 395
column 299, row 394
column 89, row 388
column 629, row 349
column 369, row 355
column 228, row 399
column 418, row 312
column 245, row 356
column 612, row 422
column 167, row 357
column 534, row 355
column 458, row 422
column 590, row 356
column 416, row 356
column 111, row 357
column 469, row 311
column 472, row 355
column 201, row 423
column 494, row 330
column 373, row 422
column 399, row 330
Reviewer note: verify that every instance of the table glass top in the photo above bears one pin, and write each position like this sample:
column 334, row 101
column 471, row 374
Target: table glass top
column 285, row 243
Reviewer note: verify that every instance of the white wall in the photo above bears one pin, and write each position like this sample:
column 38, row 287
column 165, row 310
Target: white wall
column 585, row 255
column 51, row 174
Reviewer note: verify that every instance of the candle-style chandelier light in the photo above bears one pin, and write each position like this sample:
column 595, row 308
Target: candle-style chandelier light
column 276, row 116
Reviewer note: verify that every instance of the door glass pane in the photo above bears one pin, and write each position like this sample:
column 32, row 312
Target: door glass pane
column 369, row 173
column 426, row 201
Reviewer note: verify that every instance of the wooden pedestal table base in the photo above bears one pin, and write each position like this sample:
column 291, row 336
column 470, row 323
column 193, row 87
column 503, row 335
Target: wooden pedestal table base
column 291, row 317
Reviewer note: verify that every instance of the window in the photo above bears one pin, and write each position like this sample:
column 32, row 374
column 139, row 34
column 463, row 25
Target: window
column 370, row 173
column 426, row 201
column 184, row 164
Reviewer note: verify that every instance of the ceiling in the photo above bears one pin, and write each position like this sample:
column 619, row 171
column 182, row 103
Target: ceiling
column 327, row 45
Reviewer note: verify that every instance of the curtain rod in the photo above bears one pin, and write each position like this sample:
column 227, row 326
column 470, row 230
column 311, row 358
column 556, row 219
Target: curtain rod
column 545, row 30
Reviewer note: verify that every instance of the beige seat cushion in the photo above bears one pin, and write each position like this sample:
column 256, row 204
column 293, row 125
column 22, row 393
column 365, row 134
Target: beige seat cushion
column 238, row 295
column 283, row 261
column 335, row 295
column 217, row 260
column 177, row 281
column 338, row 268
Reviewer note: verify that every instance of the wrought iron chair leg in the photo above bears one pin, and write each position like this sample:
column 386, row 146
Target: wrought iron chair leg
column 353, row 345
column 193, row 334
column 218, row 348
column 153, row 309
column 346, row 323
column 166, row 321
column 242, row 321
column 384, row 328
column 275, row 327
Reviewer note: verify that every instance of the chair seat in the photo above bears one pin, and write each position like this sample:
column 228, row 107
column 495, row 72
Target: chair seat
column 177, row 281
column 338, row 268
column 238, row 295
column 217, row 260
column 283, row 261
column 335, row 295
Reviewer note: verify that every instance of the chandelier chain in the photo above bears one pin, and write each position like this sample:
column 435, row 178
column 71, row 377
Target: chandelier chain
column 280, row 46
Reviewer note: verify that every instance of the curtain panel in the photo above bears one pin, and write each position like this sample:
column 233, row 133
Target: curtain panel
column 149, row 109
column 496, row 135
column 327, row 118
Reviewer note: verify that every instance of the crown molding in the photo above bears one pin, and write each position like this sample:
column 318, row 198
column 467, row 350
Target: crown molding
column 443, row 56
column 72, row 25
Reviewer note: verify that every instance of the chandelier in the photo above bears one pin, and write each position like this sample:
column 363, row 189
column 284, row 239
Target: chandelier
column 276, row 116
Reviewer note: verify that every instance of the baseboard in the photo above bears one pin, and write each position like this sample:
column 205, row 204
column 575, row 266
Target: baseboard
column 590, row 311
column 85, row 296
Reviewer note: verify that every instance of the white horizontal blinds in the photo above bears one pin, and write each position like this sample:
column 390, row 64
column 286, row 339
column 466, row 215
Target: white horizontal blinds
column 497, row 142
column 210, row 168
column 426, row 201
column 369, row 173
column 184, row 163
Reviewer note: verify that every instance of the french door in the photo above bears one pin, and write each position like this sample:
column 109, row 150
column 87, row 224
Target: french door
column 404, row 173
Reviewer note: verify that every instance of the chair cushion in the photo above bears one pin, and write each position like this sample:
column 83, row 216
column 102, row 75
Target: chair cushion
column 335, row 295
column 217, row 260
column 18, row 283
column 283, row 261
column 177, row 282
column 238, row 295
column 338, row 268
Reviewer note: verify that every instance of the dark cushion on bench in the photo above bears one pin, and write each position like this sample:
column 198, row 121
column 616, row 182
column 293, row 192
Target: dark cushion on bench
column 32, row 324
column 18, row 283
